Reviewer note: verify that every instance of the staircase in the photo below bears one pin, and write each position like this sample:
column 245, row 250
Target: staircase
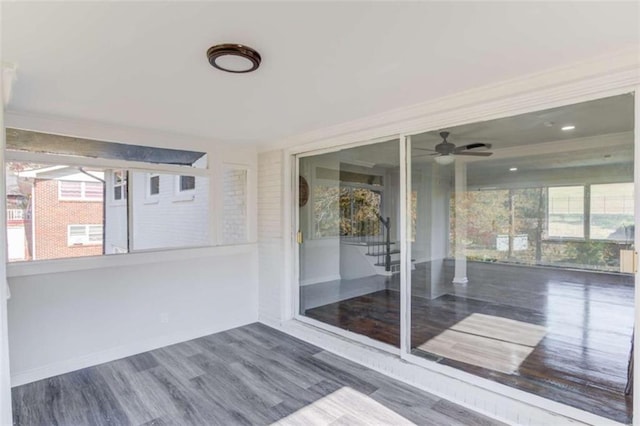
column 382, row 253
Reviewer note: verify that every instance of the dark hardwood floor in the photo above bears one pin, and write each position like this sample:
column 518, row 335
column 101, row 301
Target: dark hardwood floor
column 252, row 375
column 581, row 361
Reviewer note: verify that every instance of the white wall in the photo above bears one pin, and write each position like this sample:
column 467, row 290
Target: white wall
column 60, row 322
column 72, row 313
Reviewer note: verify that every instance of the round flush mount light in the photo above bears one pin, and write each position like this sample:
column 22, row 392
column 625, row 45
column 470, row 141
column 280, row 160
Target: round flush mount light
column 234, row 58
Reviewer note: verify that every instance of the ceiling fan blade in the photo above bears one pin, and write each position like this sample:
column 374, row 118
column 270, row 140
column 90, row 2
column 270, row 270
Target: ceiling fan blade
column 476, row 145
column 423, row 149
column 475, row 153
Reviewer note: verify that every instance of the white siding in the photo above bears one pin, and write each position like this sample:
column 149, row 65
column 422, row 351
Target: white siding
column 170, row 219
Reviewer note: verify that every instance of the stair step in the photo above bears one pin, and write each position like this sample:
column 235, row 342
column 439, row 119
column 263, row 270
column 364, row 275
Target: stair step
column 383, row 253
column 392, row 263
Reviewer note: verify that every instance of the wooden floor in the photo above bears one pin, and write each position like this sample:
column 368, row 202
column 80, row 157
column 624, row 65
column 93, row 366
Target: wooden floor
column 581, row 360
column 252, row 375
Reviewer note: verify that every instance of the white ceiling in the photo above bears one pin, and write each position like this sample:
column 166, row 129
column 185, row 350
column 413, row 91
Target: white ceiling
column 603, row 135
column 599, row 117
column 143, row 64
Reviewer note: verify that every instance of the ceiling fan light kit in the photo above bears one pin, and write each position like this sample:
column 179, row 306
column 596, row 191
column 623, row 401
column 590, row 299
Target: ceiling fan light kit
column 444, row 160
column 445, row 151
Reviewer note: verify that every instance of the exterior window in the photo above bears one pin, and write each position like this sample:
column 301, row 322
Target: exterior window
column 154, row 185
column 566, row 212
column 119, row 185
column 187, row 183
column 612, row 212
column 50, row 216
column 79, row 191
column 84, row 235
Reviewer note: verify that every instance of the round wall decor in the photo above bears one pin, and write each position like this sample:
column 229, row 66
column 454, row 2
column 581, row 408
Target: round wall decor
column 303, row 191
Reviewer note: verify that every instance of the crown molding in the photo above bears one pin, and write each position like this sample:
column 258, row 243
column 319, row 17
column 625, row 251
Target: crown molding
column 597, row 77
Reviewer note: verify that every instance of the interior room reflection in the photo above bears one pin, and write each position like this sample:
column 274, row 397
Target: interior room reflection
column 522, row 241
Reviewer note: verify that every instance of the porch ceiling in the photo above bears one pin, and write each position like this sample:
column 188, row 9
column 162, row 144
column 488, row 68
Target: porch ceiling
column 143, row 64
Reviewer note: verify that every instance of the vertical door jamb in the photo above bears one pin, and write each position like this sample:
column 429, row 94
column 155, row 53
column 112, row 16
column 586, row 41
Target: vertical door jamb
column 405, row 244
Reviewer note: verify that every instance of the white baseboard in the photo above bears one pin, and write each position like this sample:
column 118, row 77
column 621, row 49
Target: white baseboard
column 22, row 377
column 334, row 277
column 484, row 396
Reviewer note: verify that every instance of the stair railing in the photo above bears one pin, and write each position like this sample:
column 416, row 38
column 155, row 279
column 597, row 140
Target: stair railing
column 387, row 242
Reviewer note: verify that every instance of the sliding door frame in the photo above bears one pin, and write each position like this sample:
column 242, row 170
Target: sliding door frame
column 295, row 160
column 587, row 82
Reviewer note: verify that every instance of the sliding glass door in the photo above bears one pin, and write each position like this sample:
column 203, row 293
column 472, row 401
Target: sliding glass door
column 522, row 234
column 348, row 236
column 504, row 249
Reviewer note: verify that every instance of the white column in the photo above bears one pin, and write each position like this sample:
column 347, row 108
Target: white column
column 460, row 276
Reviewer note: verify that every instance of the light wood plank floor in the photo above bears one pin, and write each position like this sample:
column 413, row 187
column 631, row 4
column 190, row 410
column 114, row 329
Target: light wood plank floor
column 252, row 375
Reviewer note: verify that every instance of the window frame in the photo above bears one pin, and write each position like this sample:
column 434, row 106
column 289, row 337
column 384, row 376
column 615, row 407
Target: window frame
column 83, row 192
column 585, row 220
column 124, row 193
column 179, row 194
column 179, row 184
column 140, row 256
column 586, row 212
column 589, row 213
column 148, row 196
column 87, row 235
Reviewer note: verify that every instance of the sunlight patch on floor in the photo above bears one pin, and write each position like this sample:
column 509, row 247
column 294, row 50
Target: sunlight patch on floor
column 487, row 341
column 344, row 407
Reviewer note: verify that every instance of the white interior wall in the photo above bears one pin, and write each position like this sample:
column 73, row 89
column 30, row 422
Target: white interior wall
column 60, row 322
column 72, row 313
column 432, row 185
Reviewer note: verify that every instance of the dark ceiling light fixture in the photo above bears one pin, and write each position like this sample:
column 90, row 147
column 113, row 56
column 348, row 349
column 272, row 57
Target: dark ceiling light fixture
column 235, row 58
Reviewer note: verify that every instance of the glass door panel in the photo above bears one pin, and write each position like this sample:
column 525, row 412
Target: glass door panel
column 523, row 240
column 349, row 256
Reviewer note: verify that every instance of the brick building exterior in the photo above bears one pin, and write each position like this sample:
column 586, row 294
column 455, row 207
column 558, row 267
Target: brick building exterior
column 53, row 217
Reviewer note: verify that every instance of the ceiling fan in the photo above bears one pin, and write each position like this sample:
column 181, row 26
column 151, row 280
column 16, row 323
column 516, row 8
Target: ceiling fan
column 445, row 150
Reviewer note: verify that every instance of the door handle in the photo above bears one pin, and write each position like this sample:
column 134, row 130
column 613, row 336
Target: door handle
column 299, row 237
